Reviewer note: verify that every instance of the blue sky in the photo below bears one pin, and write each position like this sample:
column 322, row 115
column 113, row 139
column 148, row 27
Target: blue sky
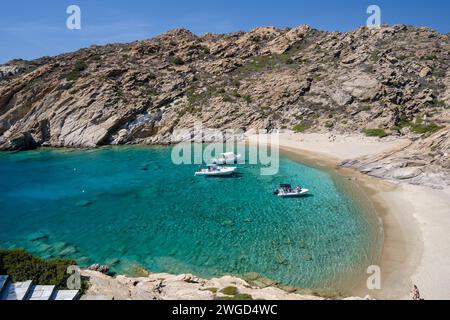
column 30, row 29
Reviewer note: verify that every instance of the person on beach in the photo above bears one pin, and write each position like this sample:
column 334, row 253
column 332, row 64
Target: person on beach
column 415, row 294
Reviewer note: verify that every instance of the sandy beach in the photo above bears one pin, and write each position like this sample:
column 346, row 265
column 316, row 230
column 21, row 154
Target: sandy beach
column 416, row 219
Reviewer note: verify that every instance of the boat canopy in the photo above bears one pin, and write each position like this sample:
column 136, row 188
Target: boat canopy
column 285, row 186
column 228, row 154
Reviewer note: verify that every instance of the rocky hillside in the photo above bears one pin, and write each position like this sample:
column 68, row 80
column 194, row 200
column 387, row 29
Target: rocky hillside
column 390, row 81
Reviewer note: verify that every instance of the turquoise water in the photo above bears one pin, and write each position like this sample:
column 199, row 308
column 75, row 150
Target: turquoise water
column 131, row 206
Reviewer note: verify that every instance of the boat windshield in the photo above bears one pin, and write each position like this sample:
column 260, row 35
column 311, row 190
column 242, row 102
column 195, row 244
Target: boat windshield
column 228, row 155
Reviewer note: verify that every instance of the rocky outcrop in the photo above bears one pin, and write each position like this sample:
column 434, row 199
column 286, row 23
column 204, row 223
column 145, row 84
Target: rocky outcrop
column 22, row 141
column 363, row 87
column 284, row 41
column 426, row 161
column 140, row 93
column 161, row 286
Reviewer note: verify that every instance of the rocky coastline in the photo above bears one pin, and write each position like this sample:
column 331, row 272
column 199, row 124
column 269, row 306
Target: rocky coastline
column 162, row 286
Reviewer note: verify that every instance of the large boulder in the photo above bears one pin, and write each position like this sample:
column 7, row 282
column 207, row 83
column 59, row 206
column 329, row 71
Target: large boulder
column 340, row 97
column 363, row 87
column 406, row 173
column 425, row 72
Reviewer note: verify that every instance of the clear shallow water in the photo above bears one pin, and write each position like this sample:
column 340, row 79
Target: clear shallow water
column 131, row 206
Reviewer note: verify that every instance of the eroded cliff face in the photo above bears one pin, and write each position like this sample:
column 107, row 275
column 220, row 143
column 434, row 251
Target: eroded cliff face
column 304, row 79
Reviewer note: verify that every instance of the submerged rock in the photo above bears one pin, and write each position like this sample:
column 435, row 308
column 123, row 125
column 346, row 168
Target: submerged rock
column 252, row 276
column 43, row 248
column 69, row 251
column 131, row 268
column 37, row 236
column 84, row 203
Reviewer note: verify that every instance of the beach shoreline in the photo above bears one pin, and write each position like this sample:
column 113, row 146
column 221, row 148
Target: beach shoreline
column 415, row 218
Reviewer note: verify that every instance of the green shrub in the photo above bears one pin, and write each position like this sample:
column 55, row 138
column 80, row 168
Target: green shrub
column 178, row 61
column 66, row 86
column 227, row 98
column 289, row 61
column 302, row 127
column 206, row 50
column 73, row 75
column 79, row 67
column 440, row 73
column 375, row 56
column 380, row 133
column 403, row 123
column 418, row 126
column 236, row 94
column 235, row 83
column 233, row 294
column 96, row 57
column 213, row 290
column 237, row 297
column 22, row 266
column 195, row 98
column 265, row 62
column 421, row 128
column 243, row 297
column 230, row 291
column 429, row 57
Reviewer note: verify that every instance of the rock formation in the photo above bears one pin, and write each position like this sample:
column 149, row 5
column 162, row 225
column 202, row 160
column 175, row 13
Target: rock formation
column 424, row 162
column 161, row 286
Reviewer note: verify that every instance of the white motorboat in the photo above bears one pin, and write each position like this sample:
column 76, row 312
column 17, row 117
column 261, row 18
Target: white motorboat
column 227, row 158
column 286, row 191
column 214, row 170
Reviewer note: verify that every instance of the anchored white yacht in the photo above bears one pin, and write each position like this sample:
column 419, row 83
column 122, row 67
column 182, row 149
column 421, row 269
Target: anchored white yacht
column 286, row 191
column 227, row 158
column 214, row 170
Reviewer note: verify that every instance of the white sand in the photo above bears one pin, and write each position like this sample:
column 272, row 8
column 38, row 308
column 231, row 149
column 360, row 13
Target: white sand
column 416, row 219
column 343, row 147
column 431, row 211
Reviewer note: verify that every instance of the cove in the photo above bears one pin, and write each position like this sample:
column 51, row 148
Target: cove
column 131, row 208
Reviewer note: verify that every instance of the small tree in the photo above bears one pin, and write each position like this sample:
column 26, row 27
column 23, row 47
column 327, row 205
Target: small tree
column 178, row 61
